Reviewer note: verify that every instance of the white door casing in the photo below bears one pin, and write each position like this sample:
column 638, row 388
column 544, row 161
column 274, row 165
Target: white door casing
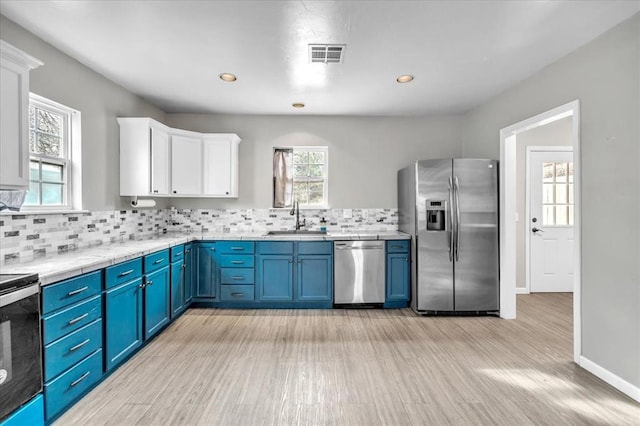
column 550, row 212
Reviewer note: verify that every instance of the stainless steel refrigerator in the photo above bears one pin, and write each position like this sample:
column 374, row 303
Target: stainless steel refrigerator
column 450, row 207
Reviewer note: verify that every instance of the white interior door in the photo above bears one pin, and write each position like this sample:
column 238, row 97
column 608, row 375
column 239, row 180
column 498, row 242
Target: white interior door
column 551, row 210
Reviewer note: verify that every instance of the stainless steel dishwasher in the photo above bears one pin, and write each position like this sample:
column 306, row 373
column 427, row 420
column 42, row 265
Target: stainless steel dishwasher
column 359, row 272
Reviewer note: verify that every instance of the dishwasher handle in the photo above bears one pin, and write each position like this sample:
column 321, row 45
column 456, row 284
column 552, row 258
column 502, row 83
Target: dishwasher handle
column 361, row 246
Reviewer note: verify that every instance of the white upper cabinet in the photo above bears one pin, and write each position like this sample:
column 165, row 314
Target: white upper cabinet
column 14, row 116
column 186, row 165
column 156, row 160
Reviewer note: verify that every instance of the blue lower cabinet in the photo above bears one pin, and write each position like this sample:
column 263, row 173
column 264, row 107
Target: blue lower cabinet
column 71, row 385
column 70, row 349
column 177, row 288
column 31, row 414
column 188, row 273
column 123, row 322
column 237, row 293
column 315, row 278
column 275, row 278
column 206, row 265
column 398, row 279
column 157, row 309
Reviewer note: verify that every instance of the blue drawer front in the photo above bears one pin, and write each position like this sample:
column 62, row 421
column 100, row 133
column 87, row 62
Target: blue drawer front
column 275, row 247
column 155, row 261
column 71, row 319
column 63, row 353
column 237, row 276
column 177, row 253
column 72, row 384
column 315, row 247
column 240, row 247
column 68, row 292
column 236, row 261
column 230, row 293
column 123, row 272
column 31, row 413
column 398, row 246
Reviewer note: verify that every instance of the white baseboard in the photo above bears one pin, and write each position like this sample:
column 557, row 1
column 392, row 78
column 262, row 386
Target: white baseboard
column 614, row 380
column 522, row 290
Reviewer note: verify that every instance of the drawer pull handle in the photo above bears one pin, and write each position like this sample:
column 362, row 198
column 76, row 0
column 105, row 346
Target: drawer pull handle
column 398, row 247
column 158, row 261
column 78, row 291
column 178, row 254
column 80, row 318
column 79, row 345
column 125, row 273
column 237, row 262
column 237, row 248
column 237, row 277
column 81, row 378
column 237, row 294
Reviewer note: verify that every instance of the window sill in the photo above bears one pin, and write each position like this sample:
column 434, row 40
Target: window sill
column 40, row 212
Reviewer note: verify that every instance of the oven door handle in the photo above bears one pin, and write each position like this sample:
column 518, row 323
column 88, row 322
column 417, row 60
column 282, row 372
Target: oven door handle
column 15, row 296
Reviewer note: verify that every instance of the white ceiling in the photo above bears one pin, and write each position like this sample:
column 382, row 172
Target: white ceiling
column 461, row 52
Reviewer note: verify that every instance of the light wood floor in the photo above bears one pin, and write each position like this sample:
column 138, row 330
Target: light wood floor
column 359, row 367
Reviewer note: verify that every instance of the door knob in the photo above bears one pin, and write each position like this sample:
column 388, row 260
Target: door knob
column 536, row 230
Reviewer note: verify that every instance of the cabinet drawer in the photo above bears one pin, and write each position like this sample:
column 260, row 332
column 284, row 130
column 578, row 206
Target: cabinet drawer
column 177, row 253
column 229, row 293
column 71, row 319
column 237, row 276
column 398, row 246
column 155, row 261
column 236, row 261
column 241, row 247
column 67, row 292
column 63, row 353
column 275, row 247
column 315, row 247
column 123, row 272
column 66, row 388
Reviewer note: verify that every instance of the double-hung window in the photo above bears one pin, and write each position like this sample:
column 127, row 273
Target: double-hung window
column 52, row 128
column 310, row 176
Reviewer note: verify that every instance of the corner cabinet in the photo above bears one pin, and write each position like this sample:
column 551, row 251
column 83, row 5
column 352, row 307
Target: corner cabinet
column 156, row 160
column 14, row 116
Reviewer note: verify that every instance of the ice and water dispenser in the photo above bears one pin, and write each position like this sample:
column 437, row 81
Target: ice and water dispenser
column 436, row 215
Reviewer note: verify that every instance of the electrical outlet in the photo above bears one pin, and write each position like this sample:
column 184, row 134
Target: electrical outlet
column 347, row 213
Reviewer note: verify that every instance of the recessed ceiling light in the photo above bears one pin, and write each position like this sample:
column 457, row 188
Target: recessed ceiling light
column 225, row 76
column 404, row 78
column 298, row 105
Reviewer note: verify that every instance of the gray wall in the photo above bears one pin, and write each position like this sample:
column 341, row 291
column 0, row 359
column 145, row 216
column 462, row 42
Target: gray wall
column 365, row 153
column 67, row 81
column 553, row 134
column 604, row 75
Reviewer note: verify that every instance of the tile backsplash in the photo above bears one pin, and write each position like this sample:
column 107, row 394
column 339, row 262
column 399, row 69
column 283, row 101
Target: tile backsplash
column 24, row 237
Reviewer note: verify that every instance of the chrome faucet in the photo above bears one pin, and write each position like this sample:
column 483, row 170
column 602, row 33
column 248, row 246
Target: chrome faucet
column 295, row 210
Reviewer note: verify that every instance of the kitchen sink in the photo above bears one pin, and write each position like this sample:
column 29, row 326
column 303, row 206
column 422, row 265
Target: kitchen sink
column 298, row 232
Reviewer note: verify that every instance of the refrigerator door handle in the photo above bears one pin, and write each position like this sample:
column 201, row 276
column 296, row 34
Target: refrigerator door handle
column 451, row 227
column 456, row 190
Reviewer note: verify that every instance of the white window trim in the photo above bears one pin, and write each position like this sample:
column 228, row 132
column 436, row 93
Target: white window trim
column 315, row 148
column 72, row 148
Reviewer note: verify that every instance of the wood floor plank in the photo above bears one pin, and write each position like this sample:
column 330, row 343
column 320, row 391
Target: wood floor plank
column 359, row 367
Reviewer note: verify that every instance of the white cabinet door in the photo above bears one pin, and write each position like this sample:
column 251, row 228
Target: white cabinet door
column 14, row 116
column 159, row 162
column 217, row 168
column 186, row 165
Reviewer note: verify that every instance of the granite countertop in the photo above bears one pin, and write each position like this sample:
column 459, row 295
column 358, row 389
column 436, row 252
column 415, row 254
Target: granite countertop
column 54, row 268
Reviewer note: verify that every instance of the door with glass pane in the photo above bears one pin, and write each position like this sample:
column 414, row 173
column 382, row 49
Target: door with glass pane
column 551, row 211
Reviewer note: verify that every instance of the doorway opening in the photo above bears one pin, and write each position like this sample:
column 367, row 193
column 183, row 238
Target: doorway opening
column 508, row 211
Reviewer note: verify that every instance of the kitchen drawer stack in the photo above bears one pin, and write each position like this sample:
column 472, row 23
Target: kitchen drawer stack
column 72, row 336
column 237, row 270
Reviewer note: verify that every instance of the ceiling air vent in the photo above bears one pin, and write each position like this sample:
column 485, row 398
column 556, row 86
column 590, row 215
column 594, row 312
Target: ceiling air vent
column 326, row 53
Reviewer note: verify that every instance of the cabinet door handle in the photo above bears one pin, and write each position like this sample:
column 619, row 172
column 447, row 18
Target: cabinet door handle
column 141, row 285
column 237, row 294
column 184, row 266
column 81, row 378
column 80, row 318
column 237, row 262
column 187, row 251
column 158, row 261
column 78, row 291
column 79, row 345
column 125, row 273
column 212, row 249
column 149, row 283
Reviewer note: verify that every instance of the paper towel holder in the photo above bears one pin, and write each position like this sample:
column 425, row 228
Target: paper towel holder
column 142, row 203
